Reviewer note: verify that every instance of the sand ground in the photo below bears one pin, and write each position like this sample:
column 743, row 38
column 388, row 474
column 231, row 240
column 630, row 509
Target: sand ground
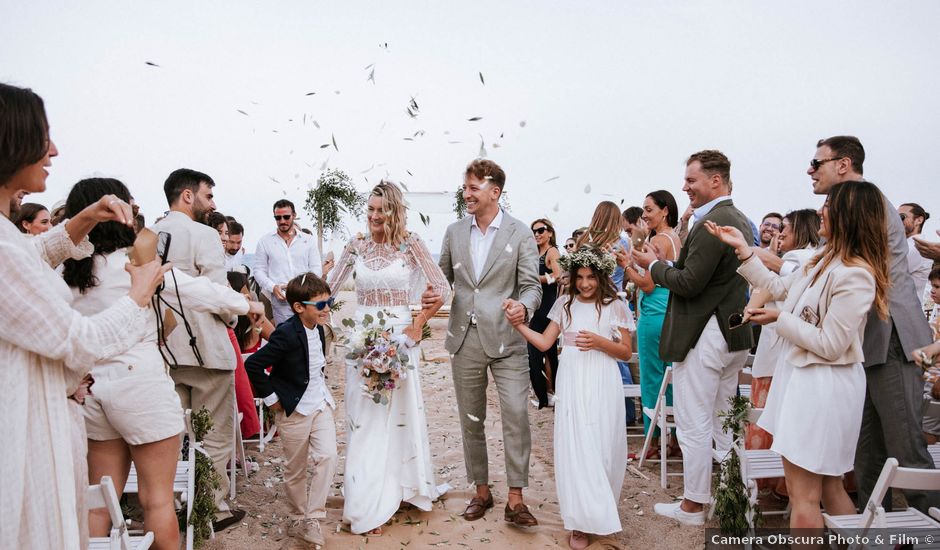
column 262, row 495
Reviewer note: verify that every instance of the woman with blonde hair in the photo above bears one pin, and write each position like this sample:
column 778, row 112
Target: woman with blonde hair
column 814, row 409
column 388, row 457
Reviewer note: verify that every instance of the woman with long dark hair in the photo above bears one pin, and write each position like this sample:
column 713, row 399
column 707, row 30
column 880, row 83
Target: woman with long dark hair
column 814, row 409
column 33, row 219
column 661, row 216
column 133, row 412
column 543, row 366
column 46, row 347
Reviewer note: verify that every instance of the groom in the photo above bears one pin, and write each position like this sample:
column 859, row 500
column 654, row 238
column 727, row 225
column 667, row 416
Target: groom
column 492, row 261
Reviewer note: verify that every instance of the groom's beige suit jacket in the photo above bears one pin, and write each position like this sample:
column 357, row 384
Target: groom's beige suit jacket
column 511, row 271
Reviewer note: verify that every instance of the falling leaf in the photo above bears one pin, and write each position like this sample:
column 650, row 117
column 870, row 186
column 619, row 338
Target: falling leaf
column 324, row 146
column 372, row 75
column 474, row 119
column 454, row 142
column 471, row 417
column 367, row 169
column 408, row 139
column 409, row 173
column 426, row 220
column 508, row 248
column 553, row 178
column 311, row 93
column 151, row 63
column 336, row 92
column 522, row 124
column 272, row 179
column 587, row 188
column 242, row 112
column 317, row 124
column 555, row 208
column 457, row 265
column 334, row 142
column 481, row 79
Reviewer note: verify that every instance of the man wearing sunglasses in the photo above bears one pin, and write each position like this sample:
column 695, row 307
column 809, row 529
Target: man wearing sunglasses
column 891, row 420
column 281, row 256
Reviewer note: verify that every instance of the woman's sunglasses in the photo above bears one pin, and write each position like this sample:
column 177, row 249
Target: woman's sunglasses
column 569, row 245
column 539, row 230
column 321, row 304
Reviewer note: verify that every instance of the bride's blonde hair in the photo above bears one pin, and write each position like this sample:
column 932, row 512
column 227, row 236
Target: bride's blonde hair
column 396, row 213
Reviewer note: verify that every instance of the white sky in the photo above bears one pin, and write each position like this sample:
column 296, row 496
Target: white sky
column 614, row 94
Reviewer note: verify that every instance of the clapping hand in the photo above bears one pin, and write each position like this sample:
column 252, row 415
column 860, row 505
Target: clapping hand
column 515, row 311
column 928, row 250
column 623, row 258
column 731, row 236
column 645, row 256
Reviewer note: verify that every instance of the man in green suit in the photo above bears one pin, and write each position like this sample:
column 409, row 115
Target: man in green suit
column 702, row 334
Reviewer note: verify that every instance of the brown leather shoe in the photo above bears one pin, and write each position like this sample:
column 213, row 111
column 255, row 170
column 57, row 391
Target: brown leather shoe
column 477, row 508
column 521, row 516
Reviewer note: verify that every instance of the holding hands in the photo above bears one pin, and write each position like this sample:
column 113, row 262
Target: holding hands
column 515, row 311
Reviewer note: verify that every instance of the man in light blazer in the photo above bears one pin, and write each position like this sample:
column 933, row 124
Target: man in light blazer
column 891, row 420
column 492, row 261
column 204, row 360
column 708, row 351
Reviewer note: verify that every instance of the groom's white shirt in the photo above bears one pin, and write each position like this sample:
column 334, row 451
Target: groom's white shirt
column 480, row 243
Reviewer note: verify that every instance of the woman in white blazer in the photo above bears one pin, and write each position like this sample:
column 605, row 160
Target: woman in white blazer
column 814, row 409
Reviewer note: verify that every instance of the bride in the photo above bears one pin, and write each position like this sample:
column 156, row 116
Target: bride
column 388, row 459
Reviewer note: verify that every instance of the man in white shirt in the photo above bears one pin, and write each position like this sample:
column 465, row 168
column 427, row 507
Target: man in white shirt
column 914, row 217
column 492, row 261
column 283, row 255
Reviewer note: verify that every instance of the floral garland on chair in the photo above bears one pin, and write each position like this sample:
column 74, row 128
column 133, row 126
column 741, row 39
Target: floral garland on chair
column 732, row 504
column 207, row 483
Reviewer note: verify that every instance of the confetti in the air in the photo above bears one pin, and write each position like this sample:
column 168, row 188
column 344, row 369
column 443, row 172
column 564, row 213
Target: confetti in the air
column 587, row 188
column 481, row 79
column 474, row 119
column 471, row 417
column 151, row 63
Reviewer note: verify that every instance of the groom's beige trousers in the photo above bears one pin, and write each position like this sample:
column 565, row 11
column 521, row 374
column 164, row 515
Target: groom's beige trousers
column 511, row 374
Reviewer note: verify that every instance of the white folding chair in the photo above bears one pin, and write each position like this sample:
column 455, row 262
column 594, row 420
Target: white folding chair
column 757, row 464
column 660, row 416
column 633, row 390
column 184, row 482
column 874, row 515
column 103, row 495
column 238, row 447
column 263, row 438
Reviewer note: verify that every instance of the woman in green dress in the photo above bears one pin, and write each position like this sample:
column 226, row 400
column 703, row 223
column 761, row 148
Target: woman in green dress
column 661, row 216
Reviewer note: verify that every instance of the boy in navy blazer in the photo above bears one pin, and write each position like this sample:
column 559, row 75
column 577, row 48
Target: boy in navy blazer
column 297, row 393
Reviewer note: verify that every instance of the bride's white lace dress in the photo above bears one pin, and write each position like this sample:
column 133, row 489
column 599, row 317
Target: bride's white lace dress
column 388, row 459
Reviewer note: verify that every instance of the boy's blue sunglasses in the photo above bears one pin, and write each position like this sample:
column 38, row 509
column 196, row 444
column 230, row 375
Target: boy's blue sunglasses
column 321, row 304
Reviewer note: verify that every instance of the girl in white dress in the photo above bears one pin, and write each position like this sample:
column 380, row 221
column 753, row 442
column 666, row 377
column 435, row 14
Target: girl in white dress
column 590, row 429
column 814, row 408
column 388, row 458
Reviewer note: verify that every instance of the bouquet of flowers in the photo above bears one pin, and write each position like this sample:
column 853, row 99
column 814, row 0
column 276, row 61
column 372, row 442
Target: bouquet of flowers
column 378, row 354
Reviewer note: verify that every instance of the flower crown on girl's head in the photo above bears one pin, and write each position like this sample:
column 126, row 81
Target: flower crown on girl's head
column 589, row 257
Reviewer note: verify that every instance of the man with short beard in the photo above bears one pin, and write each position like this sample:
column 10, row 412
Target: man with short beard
column 283, row 255
column 234, row 253
column 914, row 217
column 891, row 419
column 769, row 228
column 202, row 356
